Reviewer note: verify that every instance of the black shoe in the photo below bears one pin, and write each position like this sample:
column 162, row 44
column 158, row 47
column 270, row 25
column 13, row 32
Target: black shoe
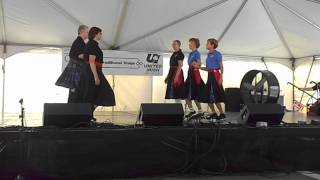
column 190, row 113
column 199, row 114
column 222, row 116
column 212, row 116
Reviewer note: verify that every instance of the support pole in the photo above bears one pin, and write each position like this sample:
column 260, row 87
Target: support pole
column 293, row 67
column 232, row 20
column 299, row 15
column 113, row 87
column 264, row 62
column 3, row 83
column 305, row 85
column 276, row 27
column 215, row 4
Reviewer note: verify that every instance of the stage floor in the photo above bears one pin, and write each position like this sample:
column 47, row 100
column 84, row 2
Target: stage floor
column 129, row 118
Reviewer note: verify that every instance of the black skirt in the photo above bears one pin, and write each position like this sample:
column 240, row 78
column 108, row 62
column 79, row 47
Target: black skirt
column 214, row 92
column 70, row 77
column 175, row 91
column 101, row 95
column 194, row 90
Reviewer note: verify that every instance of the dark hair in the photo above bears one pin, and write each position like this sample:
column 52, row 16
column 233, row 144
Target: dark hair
column 93, row 32
column 177, row 41
column 214, row 42
column 82, row 28
column 196, row 41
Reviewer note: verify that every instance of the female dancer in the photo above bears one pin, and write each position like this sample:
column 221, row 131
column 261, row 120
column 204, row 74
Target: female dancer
column 194, row 83
column 175, row 79
column 214, row 90
column 97, row 90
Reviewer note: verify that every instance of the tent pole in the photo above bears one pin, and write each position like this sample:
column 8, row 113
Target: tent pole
column 305, row 57
column 299, row 15
column 232, row 20
column 3, row 84
column 152, row 81
column 4, row 41
column 264, row 62
column 68, row 16
column 113, row 87
column 276, row 27
column 121, row 20
column 174, row 22
column 3, row 90
column 305, row 85
column 164, row 52
column 3, row 23
column 293, row 67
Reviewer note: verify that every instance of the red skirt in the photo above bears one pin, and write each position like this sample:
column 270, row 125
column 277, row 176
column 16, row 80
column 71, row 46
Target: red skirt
column 214, row 92
column 175, row 88
column 194, row 85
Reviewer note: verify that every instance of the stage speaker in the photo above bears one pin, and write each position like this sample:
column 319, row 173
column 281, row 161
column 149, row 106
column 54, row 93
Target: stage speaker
column 270, row 113
column 161, row 114
column 66, row 115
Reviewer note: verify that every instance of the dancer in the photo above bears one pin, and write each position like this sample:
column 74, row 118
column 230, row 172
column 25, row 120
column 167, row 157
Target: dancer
column 175, row 79
column 97, row 90
column 194, row 83
column 214, row 90
column 70, row 77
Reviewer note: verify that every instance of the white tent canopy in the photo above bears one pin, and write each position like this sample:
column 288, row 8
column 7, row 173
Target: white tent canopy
column 252, row 34
column 265, row 28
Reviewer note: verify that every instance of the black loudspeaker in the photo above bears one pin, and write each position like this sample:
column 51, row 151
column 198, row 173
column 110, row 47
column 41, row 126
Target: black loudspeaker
column 270, row 113
column 66, row 115
column 233, row 99
column 161, row 114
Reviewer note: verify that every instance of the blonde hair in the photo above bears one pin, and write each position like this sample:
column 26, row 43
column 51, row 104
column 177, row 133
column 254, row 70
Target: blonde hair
column 82, row 28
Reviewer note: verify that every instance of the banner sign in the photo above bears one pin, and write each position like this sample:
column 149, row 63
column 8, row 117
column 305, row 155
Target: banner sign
column 127, row 63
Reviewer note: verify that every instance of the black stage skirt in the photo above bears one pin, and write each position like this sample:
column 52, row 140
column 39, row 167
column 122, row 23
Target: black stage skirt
column 70, row 77
column 101, row 95
column 175, row 90
column 194, row 85
column 214, row 92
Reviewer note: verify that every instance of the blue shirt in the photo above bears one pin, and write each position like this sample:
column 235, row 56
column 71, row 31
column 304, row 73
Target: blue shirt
column 213, row 60
column 193, row 56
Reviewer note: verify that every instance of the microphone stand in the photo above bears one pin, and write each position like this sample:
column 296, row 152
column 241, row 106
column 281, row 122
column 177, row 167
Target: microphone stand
column 22, row 115
column 21, row 143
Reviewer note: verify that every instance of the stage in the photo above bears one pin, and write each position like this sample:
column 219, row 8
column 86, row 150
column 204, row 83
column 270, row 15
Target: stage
column 106, row 151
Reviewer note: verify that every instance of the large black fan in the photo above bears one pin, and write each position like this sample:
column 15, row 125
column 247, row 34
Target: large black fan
column 259, row 87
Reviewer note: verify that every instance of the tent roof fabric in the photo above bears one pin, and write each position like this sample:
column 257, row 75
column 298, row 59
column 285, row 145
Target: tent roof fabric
column 269, row 28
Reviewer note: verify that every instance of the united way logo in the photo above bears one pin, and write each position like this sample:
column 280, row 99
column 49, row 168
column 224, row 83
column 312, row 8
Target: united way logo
column 153, row 58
